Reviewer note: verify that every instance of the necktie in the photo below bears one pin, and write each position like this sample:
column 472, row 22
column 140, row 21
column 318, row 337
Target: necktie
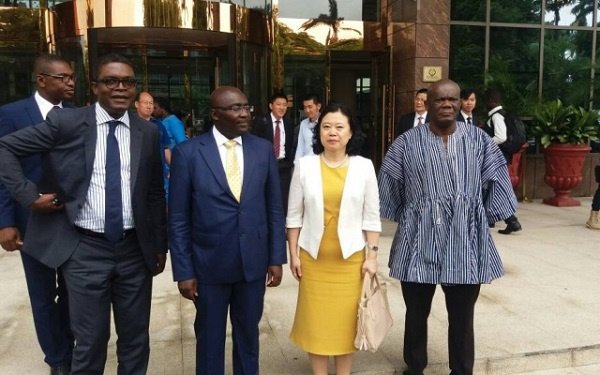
column 277, row 139
column 420, row 121
column 113, row 202
column 232, row 170
column 469, row 121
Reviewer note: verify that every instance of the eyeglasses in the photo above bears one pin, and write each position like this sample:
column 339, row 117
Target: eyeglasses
column 145, row 102
column 63, row 77
column 113, row 83
column 237, row 108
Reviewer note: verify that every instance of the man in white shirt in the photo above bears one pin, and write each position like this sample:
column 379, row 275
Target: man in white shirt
column 497, row 124
column 312, row 109
column 55, row 82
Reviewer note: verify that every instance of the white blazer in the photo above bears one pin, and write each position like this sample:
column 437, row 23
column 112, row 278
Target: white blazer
column 359, row 210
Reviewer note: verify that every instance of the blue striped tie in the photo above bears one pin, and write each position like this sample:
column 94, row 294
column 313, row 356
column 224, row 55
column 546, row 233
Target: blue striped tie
column 113, row 202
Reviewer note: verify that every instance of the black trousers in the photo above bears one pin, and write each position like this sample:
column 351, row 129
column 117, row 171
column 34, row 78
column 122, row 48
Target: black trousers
column 285, row 178
column 460, row 304
column 100, row 275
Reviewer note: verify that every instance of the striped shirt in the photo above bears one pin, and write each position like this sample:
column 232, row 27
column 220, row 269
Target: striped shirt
column 91, row 215
column 443, row 199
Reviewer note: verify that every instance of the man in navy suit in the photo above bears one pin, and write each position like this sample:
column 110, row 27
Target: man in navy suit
column 415, row 118
column 98, row 213
column 267, row 127
column 226, row 242
column 55, row 82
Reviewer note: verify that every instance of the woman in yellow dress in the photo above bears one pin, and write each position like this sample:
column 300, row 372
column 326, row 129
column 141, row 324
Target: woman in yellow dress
column 333, row 232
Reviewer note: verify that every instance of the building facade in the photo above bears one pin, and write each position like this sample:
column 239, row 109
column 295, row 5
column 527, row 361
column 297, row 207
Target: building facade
column 371, row 55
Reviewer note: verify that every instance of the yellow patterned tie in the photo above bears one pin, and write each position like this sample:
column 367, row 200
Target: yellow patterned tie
column 232, row 170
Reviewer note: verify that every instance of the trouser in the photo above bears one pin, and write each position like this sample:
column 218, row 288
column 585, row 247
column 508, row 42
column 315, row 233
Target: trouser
column 244, row 300
column 596, row 200
column 50, row 307
column 460, row 304
column 99, row 275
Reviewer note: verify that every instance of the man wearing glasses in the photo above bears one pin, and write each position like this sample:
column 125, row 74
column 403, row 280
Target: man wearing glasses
column 98, row 214
column 226, row 231
column 415, row 118
column 55, row 82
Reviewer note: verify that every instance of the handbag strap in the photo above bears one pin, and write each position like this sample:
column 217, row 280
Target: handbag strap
column 370, row 284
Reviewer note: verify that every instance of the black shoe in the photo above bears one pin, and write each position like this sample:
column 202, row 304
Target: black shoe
column 513, row 226
column 492, row 225
column 60, row 370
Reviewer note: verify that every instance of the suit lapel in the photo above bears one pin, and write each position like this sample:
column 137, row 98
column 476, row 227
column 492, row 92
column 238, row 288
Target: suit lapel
column 136, row 138
column 33, row 111
column 210, row 153
column 90, row 138
column 249, row 164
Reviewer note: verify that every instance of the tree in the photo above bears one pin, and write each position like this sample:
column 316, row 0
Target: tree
column 332, row 21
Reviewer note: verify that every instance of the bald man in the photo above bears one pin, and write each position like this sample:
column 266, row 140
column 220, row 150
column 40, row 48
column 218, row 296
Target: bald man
column 227, row 235
column 443, row 182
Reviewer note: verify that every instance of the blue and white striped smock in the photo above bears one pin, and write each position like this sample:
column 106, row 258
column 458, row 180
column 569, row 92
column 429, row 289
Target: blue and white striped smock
column 443, row 200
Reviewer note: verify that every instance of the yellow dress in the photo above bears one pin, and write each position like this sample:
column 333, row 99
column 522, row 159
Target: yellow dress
column 329, row 291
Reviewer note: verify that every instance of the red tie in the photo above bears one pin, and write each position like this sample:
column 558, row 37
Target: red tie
column 277, row 139
column 420, row 121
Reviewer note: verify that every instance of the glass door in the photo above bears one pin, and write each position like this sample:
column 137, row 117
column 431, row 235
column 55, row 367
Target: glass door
column 382, row 102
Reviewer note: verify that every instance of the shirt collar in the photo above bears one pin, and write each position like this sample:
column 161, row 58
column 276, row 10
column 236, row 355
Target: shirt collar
column 494, row 110
column 221, row 139
column 44, row 105
column 465, row 116
column 102, row 117
column 424, row 115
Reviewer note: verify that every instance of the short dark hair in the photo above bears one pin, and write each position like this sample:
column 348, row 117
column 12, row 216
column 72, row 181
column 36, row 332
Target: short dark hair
column 110, row 58
column 278, row 95
column 313, row 97
column 493, row 95
column 465, row 93
column 46, row 59
column 421, row 91
column 354, row 145
column 163, row 103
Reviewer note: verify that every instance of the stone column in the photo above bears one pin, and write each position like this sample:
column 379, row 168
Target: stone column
column 421, row 37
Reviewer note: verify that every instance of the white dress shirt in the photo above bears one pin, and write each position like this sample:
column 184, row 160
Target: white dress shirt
column 305, row 138
column 499, row 125
column 239, row 150
column 91, row 215
column 281, row 136
column 416, row 120
column 44, row 105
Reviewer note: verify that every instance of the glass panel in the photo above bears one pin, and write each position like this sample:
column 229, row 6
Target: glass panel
column 16, row 67
column 72, row 51
column 514, row 65
column 516, row 11
column 349, row 10
column 569, row 12
column 467, row 10
column 467, row 55
column 303, row 75
column 567, row 64
column 30, row 3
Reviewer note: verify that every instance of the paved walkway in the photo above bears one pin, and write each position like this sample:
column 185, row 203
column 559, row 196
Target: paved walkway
column 543, row 317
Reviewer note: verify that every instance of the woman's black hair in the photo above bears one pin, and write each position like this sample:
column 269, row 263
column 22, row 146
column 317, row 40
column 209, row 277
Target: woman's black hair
column 354, row 145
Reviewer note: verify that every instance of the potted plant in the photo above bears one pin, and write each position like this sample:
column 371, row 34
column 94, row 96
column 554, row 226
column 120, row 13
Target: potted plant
column 564, row 133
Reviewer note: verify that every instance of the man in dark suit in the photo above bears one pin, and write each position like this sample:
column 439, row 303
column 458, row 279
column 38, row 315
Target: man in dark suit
column 468, row 101
column 268, row 127
column 55, row 82
column 226, row 231
column 416, row 118
column 98, row 213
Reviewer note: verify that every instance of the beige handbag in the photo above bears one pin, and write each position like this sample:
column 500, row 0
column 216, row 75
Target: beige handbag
column 374, row 317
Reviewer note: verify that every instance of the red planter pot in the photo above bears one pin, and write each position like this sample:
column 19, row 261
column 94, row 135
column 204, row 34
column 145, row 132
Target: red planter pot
column 564, row 163
column 514, row 169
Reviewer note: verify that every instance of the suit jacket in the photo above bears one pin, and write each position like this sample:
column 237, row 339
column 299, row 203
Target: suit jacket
column 213, row 237
column 359, row 208
column 263, row 127
column 67, row 144
column 15, row 116
column 407, row 122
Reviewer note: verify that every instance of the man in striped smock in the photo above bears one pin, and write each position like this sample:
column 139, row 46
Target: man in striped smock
column 443, row 183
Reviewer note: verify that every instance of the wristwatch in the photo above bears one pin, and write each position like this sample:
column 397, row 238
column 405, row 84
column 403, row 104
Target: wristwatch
column 372, row 247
